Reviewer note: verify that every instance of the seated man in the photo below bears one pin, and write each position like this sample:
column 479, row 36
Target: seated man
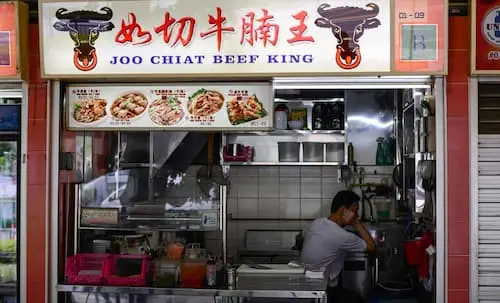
column 327, row 243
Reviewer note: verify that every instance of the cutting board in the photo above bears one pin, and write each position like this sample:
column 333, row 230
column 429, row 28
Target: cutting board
column 274, row 269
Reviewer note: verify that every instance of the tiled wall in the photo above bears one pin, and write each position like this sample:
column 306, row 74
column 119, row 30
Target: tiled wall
column 458, row 158
column 286, row 197
column 287, row 192
column 37, row 232
column 291, row 195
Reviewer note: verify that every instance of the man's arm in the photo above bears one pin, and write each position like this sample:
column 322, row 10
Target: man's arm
column 365, row 235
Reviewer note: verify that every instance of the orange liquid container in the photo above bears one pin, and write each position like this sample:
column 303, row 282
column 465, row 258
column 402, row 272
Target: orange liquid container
column 193, row 273
column 174, row 251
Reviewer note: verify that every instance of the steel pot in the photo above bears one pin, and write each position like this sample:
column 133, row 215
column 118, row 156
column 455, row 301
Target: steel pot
column 313, row 151
column 335, row 152
column 288, row 151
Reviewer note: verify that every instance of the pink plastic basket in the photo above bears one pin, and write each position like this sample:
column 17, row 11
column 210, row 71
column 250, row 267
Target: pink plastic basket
column 245, row 156
column 112, row 278
column 86, row 269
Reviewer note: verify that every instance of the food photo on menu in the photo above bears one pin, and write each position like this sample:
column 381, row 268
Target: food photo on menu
column 89, row 111
column 205, row 103
column 166, row 111
column 242, row 109
column 128, row 106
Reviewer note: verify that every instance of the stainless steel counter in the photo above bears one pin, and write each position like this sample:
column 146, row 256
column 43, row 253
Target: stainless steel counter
column 248, row 286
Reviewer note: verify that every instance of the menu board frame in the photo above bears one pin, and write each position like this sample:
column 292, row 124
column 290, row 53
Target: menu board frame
column 475, row 24
column 15, row 27
column 169, row 107
column 241, row 71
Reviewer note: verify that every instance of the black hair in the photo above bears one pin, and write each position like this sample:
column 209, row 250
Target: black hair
column 344, row 198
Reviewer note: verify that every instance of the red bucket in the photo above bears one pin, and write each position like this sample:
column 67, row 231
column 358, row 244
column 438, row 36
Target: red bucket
column 413, row 251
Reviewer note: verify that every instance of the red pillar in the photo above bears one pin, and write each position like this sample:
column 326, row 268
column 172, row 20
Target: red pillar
column 457, row 114
column 37, row 232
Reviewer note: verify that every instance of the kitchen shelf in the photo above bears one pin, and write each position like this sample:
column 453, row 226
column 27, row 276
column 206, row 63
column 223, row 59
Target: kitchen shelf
column 283, row 163
column 292, row 132
column 308, row 101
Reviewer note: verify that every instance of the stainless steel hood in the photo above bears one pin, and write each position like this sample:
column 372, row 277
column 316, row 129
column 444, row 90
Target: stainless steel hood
column 162, row 151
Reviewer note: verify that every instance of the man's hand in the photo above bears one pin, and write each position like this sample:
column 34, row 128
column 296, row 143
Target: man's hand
column 349, row 217
column 365, row 235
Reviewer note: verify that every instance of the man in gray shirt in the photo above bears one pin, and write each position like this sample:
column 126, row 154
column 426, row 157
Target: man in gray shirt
column 327, row 243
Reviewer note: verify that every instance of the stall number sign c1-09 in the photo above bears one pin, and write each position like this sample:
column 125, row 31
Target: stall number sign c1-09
column 419, row 32
column 419, row 42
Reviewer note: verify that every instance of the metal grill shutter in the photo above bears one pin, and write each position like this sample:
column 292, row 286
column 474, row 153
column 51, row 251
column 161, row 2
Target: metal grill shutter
column 489, row 192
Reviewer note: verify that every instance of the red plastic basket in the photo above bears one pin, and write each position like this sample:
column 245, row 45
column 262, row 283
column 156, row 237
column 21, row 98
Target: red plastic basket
column 113, row 279
column 413, row 252
column 86, row 269
column 245, row 156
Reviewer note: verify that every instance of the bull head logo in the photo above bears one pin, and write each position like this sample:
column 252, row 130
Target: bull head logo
column 84, row 28
column 348, row 24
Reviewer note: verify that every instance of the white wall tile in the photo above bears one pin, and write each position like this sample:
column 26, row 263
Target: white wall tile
column 269, row 208
column 269, row 187
column 289, row 171
column 232, row 206
column 248, row 208
column 289, row 188
column 329, row 171
column 310, row 171
column 289, row 225
column 248, row 187
column 289, row 208
column 330, row 187
column 326, row 205
column 310, row 188
column 269, row 171
column 286, row 192
column 232, row 231
column 310, row 208
column 244, row 171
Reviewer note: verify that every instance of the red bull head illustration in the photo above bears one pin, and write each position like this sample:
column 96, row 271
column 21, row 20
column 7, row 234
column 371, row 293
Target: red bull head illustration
column 84, row 28
column 348, row 24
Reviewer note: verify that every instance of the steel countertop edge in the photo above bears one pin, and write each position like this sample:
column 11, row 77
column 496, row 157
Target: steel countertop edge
column 248, row 286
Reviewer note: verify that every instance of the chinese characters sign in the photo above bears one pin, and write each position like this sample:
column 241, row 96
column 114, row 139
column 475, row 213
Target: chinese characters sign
column 239, row 106
column 486, row 37
column 212, row 38
column 420, row 35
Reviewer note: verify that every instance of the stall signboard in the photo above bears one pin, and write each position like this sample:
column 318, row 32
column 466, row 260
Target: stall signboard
column 485, row 37
column 123, row 39
column 201, row 106
column 13, row 40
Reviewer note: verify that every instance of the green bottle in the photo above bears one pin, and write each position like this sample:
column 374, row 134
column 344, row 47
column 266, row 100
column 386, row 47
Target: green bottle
column 389, row 151
column 380, row 159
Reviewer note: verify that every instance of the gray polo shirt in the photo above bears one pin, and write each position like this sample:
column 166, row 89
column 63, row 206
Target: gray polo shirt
column 326, row 245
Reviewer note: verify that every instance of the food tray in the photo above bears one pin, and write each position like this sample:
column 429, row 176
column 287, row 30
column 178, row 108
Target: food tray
column 143, row 278
column 86, row 269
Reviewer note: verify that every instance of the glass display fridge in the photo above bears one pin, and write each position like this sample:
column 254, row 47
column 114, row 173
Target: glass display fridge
column 10, row 137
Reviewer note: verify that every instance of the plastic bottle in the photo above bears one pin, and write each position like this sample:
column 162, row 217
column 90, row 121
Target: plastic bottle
column 350, row 154
column 317, row 117
column 211, row 273
column 389, row 151
column 380, row 159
